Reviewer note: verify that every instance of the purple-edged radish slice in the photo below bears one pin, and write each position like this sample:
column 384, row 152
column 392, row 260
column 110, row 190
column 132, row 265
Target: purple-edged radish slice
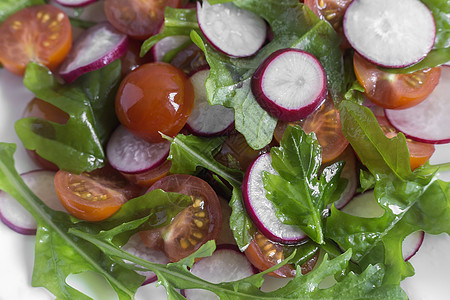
column 261, row 209
column 365, row 205
column 136, row 247
column 232, row 30
column 207, row 119
column 224, row 265
column 390, row 33
column 75, row 3
column 94, row 49
column 167, row 44
column 290, row 84
column 428, row 121
column 128, row 153
column 15, row 216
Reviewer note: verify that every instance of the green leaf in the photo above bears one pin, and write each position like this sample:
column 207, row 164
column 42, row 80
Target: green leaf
column 298, row 194
column 8, row 7
column 58, row 253
column 76, row 146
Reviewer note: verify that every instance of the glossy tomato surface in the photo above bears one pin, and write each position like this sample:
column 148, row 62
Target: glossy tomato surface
column 136, row 18
column 395, row 91
column 41, row 109
column 40, row 33
column 153, row 99
column 93, row 196
column 195, row 225
column 131, row 59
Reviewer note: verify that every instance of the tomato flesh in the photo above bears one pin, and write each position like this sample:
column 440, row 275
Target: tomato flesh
column 195, row 225
column 395, row 91
column 136, row 18
column 93, row 196
column 153, row 99
column 40, row 33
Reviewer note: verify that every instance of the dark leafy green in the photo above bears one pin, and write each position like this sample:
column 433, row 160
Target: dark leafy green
column 58, row 253
column 8, row 7
column 76, row 146
column 298, row 193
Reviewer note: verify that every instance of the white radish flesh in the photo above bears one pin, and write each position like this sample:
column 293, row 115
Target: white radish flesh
column 130, row 154
column 224, row 265
column 428, row 121
column 207, row 119
column 261, row 209
column 390, row 33
column 232, row 30
column 167, row 44
column 290, row 84
column 94, row 49
column 15, row 216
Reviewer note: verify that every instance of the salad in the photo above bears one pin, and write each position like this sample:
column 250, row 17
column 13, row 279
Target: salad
column 363, row 254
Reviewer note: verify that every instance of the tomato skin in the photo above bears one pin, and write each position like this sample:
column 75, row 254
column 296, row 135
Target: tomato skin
column 148, row 178
column 39, row 33
column 192, row 227
column 136, row 18
column 395, row 91
column 131, row 59
column 93, row 196
column 156, row 97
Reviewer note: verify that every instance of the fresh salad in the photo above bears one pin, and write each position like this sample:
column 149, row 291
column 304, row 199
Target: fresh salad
column 225, row 149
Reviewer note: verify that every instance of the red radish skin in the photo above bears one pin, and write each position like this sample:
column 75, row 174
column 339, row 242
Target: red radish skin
column 428, row 121
column 75, row 3
column 390, row 33
column 226, row 264
column 15, row 216
column 295, row 92
column 232, row 30
column 261, row 210
column 206, row 119
column 130, row 154
column 411, row 244
column 94, row 49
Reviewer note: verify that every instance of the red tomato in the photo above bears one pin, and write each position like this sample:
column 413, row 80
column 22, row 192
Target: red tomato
column 93, row 196
column 146, row 179
column 394, row 91
column 191, row 228
column 190, row 59
column 326, row 124
column 131, row 59
column 136, row 18
column 154, row 98
column 40, row 33
column 264, row 254
column 419, row 153
column 41, row 109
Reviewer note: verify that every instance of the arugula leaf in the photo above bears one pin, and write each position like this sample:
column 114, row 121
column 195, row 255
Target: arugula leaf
column 298, row 194
column 58, row 253
column 8, row 7
column 76, row 146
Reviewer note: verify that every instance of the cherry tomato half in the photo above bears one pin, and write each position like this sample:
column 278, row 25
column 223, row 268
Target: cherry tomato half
column 191, row 228
column 156, row 97
column 419, row 153
column 326, row 124
column 264, row 254
column 147, row 178
column 136, row 18
column 93, row 196
column 40, row 33
column 394, row 91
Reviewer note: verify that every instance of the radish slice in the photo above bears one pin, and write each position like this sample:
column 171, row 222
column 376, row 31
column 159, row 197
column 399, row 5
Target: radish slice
column 232, row 30
column 15, row 216
column 290, row 84
column 94, row 49
column 428, row 121
column 136, row 247
column 365, row 205
column 207, row 119
column 75, row 3
column 226, row 264
column 130, row 154
column 261, row 210
column 161, row 48
column 390, row 33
